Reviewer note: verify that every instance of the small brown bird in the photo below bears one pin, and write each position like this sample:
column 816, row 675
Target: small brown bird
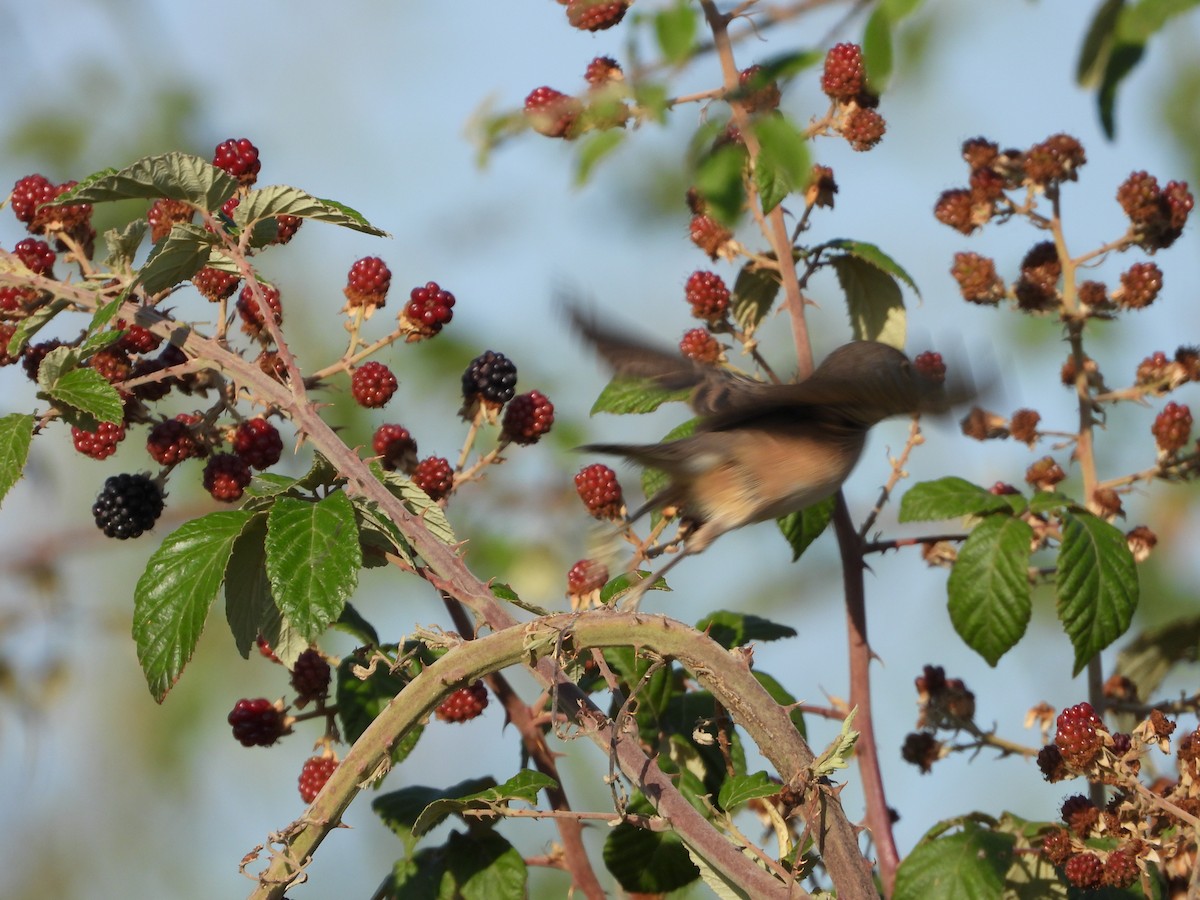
column 762, row 450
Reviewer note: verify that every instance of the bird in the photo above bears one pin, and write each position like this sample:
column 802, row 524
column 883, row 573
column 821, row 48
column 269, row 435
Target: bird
column 762, row 450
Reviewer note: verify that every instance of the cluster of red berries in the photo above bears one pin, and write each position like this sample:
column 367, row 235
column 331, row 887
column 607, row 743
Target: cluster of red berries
column 367, row 283
column 600, row 492
column 844, row 82
column 434, row 476
column 258, row 722
column 707, row 295
column 700, row 345
column 314, row 775
column 373, row 384
column 1156, row 215
column 584, row 581
column 595, row 15
column 1172, row 428
column 68, row 224
column 464, row 704
column 527, row 417
column 429, row 308
column 249, row 309
column 931, row 366
column 396, row 448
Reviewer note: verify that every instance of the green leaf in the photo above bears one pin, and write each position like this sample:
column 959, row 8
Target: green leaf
column 1097, row 44
column 173, row 595
column 719, row 181
column 1048, row 501
column 741, row 789
column 418, row 503
column 781, row 696
column 877, row 49
column 88, row 391
column 870, row 253
column 54, row 363
column 675, row 29
column 783, row 163
column 16, row 436
column 623, row 396
column 786, row 65
column 176, row 258
column 837, row 754
column 34, row 323
column 651, row 862
column 594, row 149
column 96, row 342
column 360, row 701
column 873, row 301
column 948, row 498
column 804, row 526
column 1096, row 584
column 123, row 245
column 989, row 587
column 523, row 786
column 378, row 534
column 970, row 863
column 400, row 810
column 269, row 484
column 249, row 609
column 754, row 294
column 352, row 623
column 281, row 200
column 482, row 865
column 178, row 176
column 313, row 558
column 734, row 629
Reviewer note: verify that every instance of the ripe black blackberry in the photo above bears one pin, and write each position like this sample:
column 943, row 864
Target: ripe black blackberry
column 527, row 418
column 101, row 443
column 434, row 476
column 36, row 255
column 464, row 704
column 226, row 476
column 373, row 385
column 127, row 506
column 314, row 775
column 489, row 382
column 707, row 294
column 367, row 283
column 239, row 158
column 257, row 723
column 257, row 441
column 428, row 309
column 600, row 491
column 310, row 676
column 396, row 448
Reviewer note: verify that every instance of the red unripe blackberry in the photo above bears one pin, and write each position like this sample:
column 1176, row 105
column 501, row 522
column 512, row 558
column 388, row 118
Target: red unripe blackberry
column 172, row 442
column 552, row 112
column 1056, row 159
column 428, row 309
column 101, row 443
column 228, row 207
column 1121, row 869
column 600, row 491
column 1172, row 428
column 1093, row 293
column 708, row 295
column 956, row 209
column 127, row 506
column 314, row 774
column 257, row 441
column 1155, row 367
column 74, row 219
column 434, row 476
column 864, row 128
column 1056, row 847
column 762, row 93
column 977, row 278
column 6, row 335
column 257, row 723
column 1084, row 870
column 28, row 194
column 844, row 77
column 586, row 577
column 36, row 255
column 164, row 213
column 709, row 235
column 1080, row 735
column 980, row 153
column 136, row 339
column 596, row 15
column 112, row 363
column 226, row 476
column 372, row 385
column 1140, row 197
column 464, row 704
column 527, row 418
column 490, row 379
column 931, row 365
column 701, row 346
column 367, row 283
column 250, row 310
column 239, row 158
column 32, row 356
column 1140, row 285
column 1179, row 202
column 272, row 366
column 286, row 228
column 310, row 676
column 602, row 70
column 13, row 298
column 396, row 448
column 214, row 284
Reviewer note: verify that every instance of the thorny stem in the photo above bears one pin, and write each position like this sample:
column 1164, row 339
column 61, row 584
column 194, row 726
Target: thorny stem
column 914, row 438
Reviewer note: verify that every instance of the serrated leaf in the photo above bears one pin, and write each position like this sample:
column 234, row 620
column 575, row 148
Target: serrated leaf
column 734, row 629
column 87, row 390
column 989, row 587
column 873, row 301
column 1096, row 584
column 16, row 436
column 379, row 534
column 740, row 789
column 179, row 176
column 651, row 862
column 783, row 164
column 249, row 609
column 281, row 200
column 176, row 258
column 33, row 323
column 400, row 810
column 105, row 313
column 841, row 748
column 804, row 526
column 675, row 28
column 321, row 474
column 1048, row 501
column 418, row 503
column 123, row 245
column 721, row 886
column 870, row 253
column 54, row 363
column 594, row 149
column 360, row 701
column 97, row 341
column 754, row 294
column 948, row 498
column 177, row 588
column 482, row 865
column 313, row 558
column 719, row 181
column 269, row 484
column 624, row 396
column 523, row 786
column 969, row 863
